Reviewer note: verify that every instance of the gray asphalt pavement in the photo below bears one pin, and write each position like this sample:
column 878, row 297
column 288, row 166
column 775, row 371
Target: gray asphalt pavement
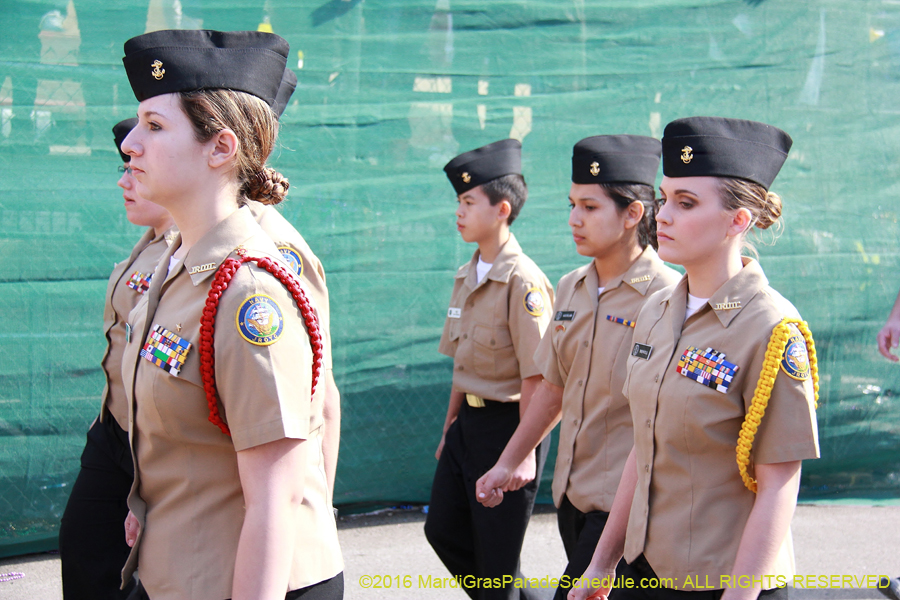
column 831, row 540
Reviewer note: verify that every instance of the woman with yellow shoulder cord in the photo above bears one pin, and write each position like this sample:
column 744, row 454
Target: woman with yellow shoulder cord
column 582, row 356
column 722, row 383
column 223, row 367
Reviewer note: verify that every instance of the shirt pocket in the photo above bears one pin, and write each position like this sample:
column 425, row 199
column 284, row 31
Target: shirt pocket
column 495, row 357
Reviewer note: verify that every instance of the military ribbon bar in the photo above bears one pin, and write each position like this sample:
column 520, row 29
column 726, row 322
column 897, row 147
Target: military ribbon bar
column 166, row 350
column 620, row 320
column 707, row 367
column 139, row 282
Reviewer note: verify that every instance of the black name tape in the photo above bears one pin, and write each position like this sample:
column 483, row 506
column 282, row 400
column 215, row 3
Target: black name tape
column 564, row 315
column 642, row 351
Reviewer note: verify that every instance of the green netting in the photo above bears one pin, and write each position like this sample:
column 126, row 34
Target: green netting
column 389, row 90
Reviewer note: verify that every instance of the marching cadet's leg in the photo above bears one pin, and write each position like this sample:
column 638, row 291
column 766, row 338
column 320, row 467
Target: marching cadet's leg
column 500, row 531
column 448, row 526
column 91, row 536
column 580, row 533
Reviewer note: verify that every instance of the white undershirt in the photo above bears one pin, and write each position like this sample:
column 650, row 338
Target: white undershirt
column 694, row 304
column 172, row 262
column 482, row 268
column 600, row 290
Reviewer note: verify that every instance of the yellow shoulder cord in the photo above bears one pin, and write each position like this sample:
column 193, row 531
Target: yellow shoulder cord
column 774, row 352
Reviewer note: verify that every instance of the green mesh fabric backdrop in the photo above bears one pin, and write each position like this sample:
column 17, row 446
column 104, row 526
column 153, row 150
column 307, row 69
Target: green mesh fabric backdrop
column 389, row 90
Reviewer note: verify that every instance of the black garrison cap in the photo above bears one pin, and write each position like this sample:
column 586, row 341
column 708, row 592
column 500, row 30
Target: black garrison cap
column 718, row 147
column 287, row 87
column 120, row 132
column 616, row 159
column 471, row 169
column 163, row 62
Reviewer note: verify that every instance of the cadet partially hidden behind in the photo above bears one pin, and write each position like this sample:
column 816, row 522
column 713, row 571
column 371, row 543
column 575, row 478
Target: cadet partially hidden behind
column 498, row 312
column 720, row 361
column 584, row 353
column 92, row 546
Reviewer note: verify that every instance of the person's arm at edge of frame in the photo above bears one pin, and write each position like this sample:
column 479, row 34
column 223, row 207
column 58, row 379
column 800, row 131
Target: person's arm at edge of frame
column 527, row 469
column 611, row 546
column 538, row 417
column 331, row 435
column 889, row 336
column 777, row 487
column 273, row 495
column 456, row 401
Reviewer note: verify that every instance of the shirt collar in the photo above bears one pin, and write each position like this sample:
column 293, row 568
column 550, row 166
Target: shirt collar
column 169, row 235
column 641, row 273
column 204, row 258
column 588, row 279
column 501, row 268
column 730, row 299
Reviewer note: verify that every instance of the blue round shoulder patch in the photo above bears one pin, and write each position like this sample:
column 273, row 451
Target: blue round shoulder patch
column 534, row 302
column 795, row 361
column 293, row 258
column 259, row 320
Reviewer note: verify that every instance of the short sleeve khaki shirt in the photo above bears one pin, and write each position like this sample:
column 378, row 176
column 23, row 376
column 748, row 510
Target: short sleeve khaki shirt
column 187, row 492
column 302, row 260
column 690, row 505
column 129, row 281
column 584, row 351
column 493, row 326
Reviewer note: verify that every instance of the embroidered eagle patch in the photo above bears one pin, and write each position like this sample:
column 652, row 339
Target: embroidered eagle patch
column 534, row 302
column 293, row 259
column 259, row 320
column 795, row 360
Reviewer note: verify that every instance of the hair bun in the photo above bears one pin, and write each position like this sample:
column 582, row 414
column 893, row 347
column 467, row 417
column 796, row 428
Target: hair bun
column 267, row 186
column 771, row 211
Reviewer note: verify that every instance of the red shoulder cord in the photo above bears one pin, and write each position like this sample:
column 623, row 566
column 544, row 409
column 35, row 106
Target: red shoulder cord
column 208, row 322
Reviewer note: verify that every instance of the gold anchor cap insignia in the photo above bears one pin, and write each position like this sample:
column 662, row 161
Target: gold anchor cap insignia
column 686, row 156
column 466, row 177
column 595, row 168
column 157, row 71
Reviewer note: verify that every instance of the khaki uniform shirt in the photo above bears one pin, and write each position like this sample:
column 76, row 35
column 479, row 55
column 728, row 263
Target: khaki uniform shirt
column 128, row 282
column 690, row 505
column 584, row 352
column 493, row 327
column 187, row 492
column 302, row 260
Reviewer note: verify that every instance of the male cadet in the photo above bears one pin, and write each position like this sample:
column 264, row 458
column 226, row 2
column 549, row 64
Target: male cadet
column 499, row 310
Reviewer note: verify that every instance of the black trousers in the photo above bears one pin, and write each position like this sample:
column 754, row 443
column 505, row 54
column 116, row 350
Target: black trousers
column 641, row 569
column 580, row 533
column 330, row 589
column 472, row 541
column 92, row 546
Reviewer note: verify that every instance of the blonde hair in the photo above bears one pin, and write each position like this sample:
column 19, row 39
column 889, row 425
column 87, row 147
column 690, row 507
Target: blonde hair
column 256, row 128
column 764, row 207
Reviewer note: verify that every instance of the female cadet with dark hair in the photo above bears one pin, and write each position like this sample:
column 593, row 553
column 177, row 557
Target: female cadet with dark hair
column 230, row 497
column 719, row 361
column 582, row 356
column 92, row 549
